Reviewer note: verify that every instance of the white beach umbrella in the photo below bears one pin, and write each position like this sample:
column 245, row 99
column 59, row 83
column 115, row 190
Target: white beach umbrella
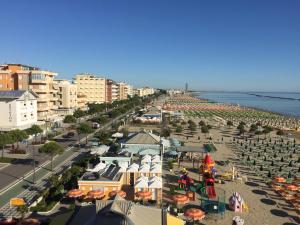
column 142, row 182
column 146, row 159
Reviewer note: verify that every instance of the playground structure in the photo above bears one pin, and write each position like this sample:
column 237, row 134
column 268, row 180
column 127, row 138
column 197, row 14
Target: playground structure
column 212, row 198
column 237, row 203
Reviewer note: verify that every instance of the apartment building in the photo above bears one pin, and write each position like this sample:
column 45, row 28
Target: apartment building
column 144, row 91
column 18, row 110
column 112, row 91
column 24, row 77
column 130, row 90
column 122, row 90
column 91, row 88
column 67, row 97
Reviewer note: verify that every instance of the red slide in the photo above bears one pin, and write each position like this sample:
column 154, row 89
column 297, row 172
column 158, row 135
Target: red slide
column 210, row 190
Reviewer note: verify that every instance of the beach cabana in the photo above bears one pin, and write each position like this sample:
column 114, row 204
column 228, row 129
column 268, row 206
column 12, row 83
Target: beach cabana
column 146, row 159
column 156, row 159
column 145, row 168
column 156, row 169
column 133, row 168
column 141, row 183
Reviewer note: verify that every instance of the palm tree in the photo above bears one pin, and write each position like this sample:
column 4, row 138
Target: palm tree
column 52, row 148
column 5, row 139
column 84, row 128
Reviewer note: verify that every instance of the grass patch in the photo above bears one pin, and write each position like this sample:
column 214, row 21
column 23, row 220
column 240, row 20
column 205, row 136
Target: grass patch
column 7, row 160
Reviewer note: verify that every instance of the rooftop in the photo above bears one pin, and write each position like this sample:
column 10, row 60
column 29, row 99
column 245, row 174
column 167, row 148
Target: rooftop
column 144, row 138
column 14, row 94
column 110, row 173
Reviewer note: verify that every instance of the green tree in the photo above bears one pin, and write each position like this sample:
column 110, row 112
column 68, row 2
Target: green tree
column 51, row 148
column 229, row 123
column 204, row 130
column 23, row 209
column 86, row 129
column 69, row 119
column 5, row 139
column 34, row 130
column 79, row 113
column 179, row 129
column 18, row 136
column 103, row 137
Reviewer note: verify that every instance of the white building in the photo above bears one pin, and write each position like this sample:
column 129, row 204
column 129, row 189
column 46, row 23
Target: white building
column 144, row 91
column 18, row 109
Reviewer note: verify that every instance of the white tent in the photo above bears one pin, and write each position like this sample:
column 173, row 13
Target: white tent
column 145, row 168
column 117, row 135
column 155, row 182
column 156, row 168
column 123, row 168
column 98, row 167
column 99, row 150
column 146, row 159
column 133, row 168
column 142, row 182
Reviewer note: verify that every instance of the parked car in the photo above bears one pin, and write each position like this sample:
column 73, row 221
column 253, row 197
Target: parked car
column 95, row 125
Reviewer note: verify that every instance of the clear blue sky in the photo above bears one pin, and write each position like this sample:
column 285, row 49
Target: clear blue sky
column 213, row 45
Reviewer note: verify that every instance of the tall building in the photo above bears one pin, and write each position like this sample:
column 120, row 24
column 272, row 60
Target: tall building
column 24, row 77
column 18, row 110
column 122, row 90
column 130, row 90
column 93, row 88
column 112, row 91
column 67, row 97
column 186, row 87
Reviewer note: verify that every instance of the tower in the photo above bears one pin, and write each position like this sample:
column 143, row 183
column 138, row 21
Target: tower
column 186, row 87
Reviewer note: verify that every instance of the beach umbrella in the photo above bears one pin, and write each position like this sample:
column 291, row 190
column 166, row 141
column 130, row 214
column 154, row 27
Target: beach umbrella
column 291, row 187
column 194, row 214
column 180, row 199
column 120, row 193
column 30, row 221
column 96, row 194
column 8, row 221
column 75, row 193
column 279, row 179
column 145, row 195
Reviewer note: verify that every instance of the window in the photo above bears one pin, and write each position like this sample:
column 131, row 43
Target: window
column 37, row 77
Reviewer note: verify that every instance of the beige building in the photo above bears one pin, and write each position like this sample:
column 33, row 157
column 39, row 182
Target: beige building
column 144, row 91
column 24, row 77
column 112, row 91
column 90, row 88
column 122, row 90
column 67, row 97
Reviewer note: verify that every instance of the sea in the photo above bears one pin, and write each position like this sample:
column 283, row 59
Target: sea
column 286, row 103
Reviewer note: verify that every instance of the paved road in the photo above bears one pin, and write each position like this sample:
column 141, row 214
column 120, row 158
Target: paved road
column 21, row 167
column 25, row 189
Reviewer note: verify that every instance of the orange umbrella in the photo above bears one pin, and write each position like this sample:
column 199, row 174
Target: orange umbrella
column 180, row 199
column 194, row 214
column 279, row 179
column 96, row 194
column 277, row 187
column 30, row 221
column 9, row 221
column 291, row 187
column 120, row 193
column 75, row 193
column 144, row 194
